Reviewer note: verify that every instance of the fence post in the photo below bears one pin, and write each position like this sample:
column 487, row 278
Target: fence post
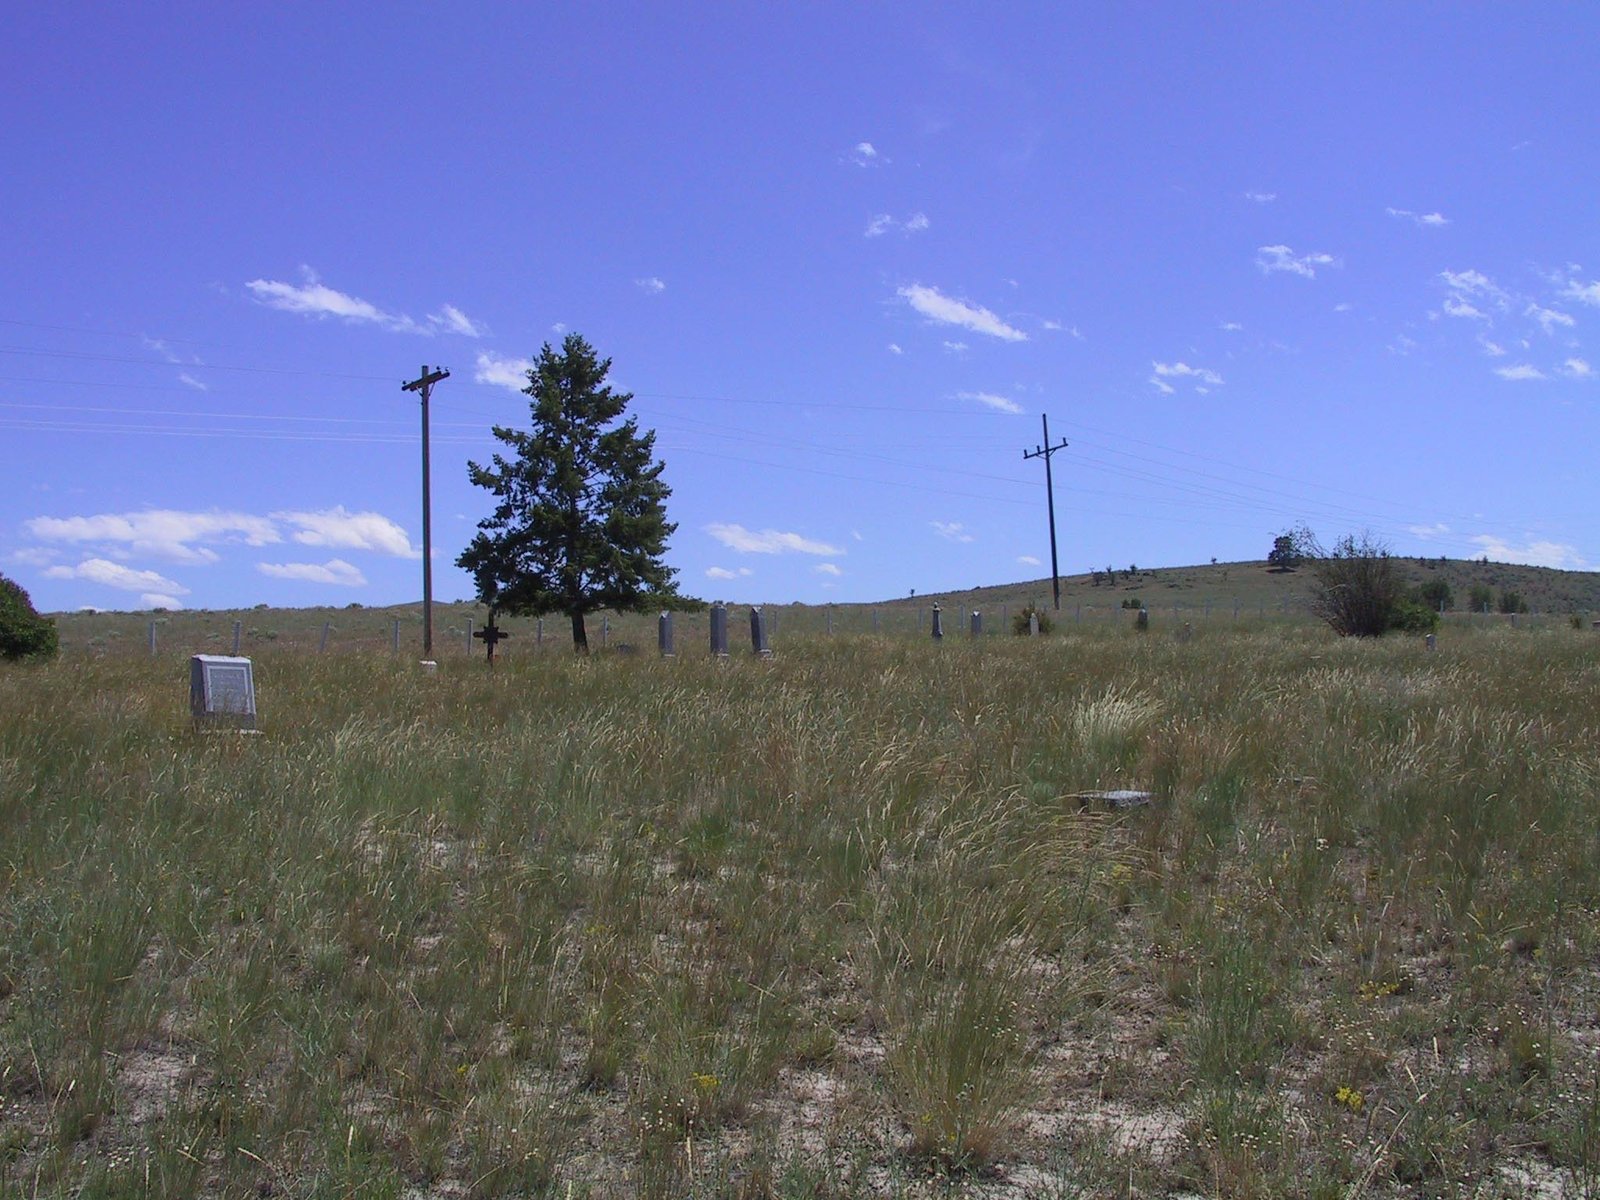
column 326, row 627
column 237, row 626
column 152, row 637
column 538, row 631
column 397, row 635
column 664, row 634
column 466, row 642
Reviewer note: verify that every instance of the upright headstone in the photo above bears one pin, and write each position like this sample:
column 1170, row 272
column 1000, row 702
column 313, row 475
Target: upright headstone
column 977, row 623
column 758, row 633
column 938, row 628
column 664, row 634
column 1185, row 632
column 152, row 637
column 1142, row 621
column 1432, row 641
column 327, row 628
column 1033, row 624
column 238, row 626
column 719, row 631
column 222, row 692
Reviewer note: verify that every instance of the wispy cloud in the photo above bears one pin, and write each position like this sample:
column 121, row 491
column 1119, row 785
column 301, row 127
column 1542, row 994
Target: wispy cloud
column 990, row 400
column 339, row 529
column 953, row 531
column 502, row 372
column 335, row 571
column 894, row 348
column 770, row 541
column 119, row 576
column 1577, row 368
column 955, row 347
column 1433, row 220
column 1261, row 197
column 1231, row 327
column 1492, row 348
column 885, row 223
column 1428, row 532
column 651, row 284
column 313, row 298
column 1474, row 283
column 179, row 537
column 1028, row 560
column 1583, row 293
column 1455, row 306
column 1532, row 553
column 1205, row 377
column 1519, row 373
column 936, row 306
column 1283, row 258
column 864, row 154
column 189, row 380
column 832, row 569
column 725, row 573
column 1549, row 318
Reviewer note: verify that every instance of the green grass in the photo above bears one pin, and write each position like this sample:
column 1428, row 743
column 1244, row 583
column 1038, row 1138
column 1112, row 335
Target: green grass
column 832, row 924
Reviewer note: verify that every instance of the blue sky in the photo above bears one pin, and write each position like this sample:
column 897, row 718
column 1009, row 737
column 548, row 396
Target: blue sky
column 1258, row 264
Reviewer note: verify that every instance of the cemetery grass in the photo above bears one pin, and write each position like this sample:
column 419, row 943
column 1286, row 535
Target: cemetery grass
column 829, row 925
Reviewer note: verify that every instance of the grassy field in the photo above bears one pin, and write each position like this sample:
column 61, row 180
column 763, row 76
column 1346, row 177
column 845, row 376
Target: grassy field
column 834, row 924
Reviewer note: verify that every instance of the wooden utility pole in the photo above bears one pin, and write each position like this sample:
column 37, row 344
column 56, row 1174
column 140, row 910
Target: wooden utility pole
column 424, row 384
column 1044, row 452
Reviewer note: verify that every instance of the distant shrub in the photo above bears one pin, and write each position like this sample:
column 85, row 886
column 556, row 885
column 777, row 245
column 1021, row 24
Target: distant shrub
column 1436, row 594
column 1512, row 602
column 1132, row 602
column 1019, row 622
column 1479, row 597
column 1358, row 591
column 23, row 632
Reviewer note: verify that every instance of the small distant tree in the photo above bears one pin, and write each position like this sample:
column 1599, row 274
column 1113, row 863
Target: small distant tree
column 1359, row 592
column 1480, row 596
column 1512, row 602
column 581, row 520
column 1291, row 548
column 23, row 632
column 1436, row 594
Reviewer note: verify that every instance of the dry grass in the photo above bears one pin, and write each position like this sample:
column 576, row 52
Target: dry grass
column 828, row 925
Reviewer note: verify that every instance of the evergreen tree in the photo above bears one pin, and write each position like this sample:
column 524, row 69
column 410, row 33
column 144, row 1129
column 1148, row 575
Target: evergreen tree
column 580, row 521
column 23, row 632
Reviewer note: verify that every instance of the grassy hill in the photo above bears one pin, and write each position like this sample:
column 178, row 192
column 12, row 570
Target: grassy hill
column 1244, row 591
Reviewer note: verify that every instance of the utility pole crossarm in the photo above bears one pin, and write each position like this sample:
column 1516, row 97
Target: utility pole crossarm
column 424, row 384
column 1045, row 452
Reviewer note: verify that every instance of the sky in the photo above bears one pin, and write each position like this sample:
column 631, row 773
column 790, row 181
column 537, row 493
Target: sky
column 1257, row 265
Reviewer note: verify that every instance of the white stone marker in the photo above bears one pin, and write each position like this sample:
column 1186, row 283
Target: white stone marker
column 222, row 692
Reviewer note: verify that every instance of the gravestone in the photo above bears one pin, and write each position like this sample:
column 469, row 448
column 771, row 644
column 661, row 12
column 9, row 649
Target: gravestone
column 327, row 628
column 664, row 634
column 1185, row 632
column 491, row 635
column 1432, row 642
column 758, row 634
column 222, row 692
column 237, row 627
column 1142, row 621
column 719, row 631
column 938, row 627
column 977, row 623
column 467, row 641
column 1033, row 624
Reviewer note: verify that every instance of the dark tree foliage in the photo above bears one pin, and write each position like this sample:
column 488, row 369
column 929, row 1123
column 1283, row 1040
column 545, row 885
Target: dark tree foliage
column 1291, row 548
column 580, row 522
column 23, row 632
column 1436, row 594
column 1359, row 591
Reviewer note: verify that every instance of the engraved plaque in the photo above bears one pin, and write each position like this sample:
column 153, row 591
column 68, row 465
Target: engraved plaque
column 222, row 691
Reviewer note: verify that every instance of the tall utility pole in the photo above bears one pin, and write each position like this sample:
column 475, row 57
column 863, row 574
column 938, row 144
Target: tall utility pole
column 1044, row 452
column 424, row 384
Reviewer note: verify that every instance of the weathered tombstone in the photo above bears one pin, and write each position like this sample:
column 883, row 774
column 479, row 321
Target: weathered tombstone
column 1033, row 624
column 719, row 631
column 1432, row 641
column 491, row 635
column 1513, row 620
column 1142, row 621
column 429, row 667
column 977, row 623
column 237, row 627
column 938, row 628
column 152, row 637
column 327, row 628
column 222, row 692
column 758, row 633
column 664, row 634
column 1185, row 632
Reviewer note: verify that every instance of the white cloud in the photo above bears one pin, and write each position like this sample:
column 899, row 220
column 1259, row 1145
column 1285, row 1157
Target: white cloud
column 1521, row 371
column 1282, row 258
column 1454, row 306
column 1261, row 197
column 1181, row 370
column 769, row 541
column 335, row 571
column 1232, row 327
column 159, row 533
column 1549, row 318
column 955, row 347
column 1431, row 220
column 116, row 575
column 894, row 348
column 189, row 380
column 452, row 320
column 828, row 569
column 1577, row 368
column 33, row 556
column 879, row 225
column 917, row 223
column 1428, row 532
column 884, row 223
column 1534, row 554
column 955, row 531
column 721, row 573
column 651, row 284
column 1491, row 348
column 340, row 529
column 1028, row 560
column 158, row 600
column 1584, row 293
column 1474, row 283
column 998, row 403
column 502, row 372
column 936, row 306
column 865, row 154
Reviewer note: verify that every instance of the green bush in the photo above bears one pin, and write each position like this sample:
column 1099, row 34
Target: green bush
column 1479, row 597
column 1512, row 602
column 1359, row 593
column 1436, row 594
column 23, row 632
